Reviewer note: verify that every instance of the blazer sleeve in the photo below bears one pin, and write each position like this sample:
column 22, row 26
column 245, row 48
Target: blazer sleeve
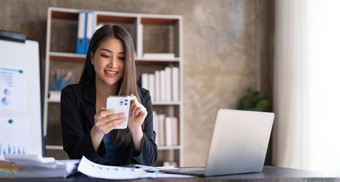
column 148, row 154
column 76, row 136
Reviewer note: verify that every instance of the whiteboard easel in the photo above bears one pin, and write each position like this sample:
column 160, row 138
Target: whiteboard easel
column 20, row 98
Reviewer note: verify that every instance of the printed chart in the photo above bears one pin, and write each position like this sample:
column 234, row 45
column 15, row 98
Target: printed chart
column 12, row 88
column 11, row 138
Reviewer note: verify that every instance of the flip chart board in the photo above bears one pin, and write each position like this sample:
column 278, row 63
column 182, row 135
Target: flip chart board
column 20, row 98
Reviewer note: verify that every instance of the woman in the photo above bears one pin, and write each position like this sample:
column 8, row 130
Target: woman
column 87, row 127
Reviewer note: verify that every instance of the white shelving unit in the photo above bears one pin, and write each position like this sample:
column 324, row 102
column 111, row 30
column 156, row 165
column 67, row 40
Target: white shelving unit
column 56, row 56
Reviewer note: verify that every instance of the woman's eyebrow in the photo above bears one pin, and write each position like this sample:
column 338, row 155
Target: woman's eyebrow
column 111, row 51
column 106, row 50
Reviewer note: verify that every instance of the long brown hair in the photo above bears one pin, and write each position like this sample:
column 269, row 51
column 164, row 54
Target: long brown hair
column 127, row 85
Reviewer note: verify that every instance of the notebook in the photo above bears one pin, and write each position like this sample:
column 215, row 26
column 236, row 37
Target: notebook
column 239, row 144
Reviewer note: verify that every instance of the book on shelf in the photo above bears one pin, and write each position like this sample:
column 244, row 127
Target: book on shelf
column 87, row 23
column 156, row 127
column 175, row 83
column 159, row 55
column 145, row 81
column 54, row 95
column 140, row 43
column 161, row 131
column 157, row 86
column 171, row 131
column 162, row 85
column 168, row 88
column 168, row 131
column 151, row 83
column 90, row 28
column 81, row 32
column 174, row 131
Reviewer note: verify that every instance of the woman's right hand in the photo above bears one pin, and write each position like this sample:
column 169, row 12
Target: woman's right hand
column 105, row 121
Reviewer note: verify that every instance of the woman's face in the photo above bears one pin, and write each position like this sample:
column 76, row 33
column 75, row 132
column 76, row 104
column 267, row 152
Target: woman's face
column 108, row 61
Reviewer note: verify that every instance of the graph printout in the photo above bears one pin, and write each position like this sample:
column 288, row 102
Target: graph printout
column 94, row 170
column 12, row 88
column 11, row 136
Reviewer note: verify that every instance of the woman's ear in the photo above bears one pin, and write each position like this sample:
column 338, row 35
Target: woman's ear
column 92, row 57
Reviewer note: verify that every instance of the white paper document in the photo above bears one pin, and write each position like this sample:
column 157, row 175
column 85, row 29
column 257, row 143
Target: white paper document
column 36, row 166
column 10, row 141
column 95, row 170
column 12, row 88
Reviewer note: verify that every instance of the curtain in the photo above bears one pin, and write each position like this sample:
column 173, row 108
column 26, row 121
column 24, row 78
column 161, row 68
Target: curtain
column 306, row 131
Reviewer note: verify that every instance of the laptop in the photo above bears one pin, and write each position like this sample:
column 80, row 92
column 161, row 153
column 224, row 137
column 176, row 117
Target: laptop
column 239, row 144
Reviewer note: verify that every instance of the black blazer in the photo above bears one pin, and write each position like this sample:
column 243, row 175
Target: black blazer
column 77, row 118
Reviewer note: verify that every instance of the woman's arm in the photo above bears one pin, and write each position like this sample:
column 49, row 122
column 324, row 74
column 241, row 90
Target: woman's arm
column 75, row 131
column 147, row 153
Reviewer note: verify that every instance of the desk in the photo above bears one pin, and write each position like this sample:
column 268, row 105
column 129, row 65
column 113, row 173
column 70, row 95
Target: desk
column 270, row 173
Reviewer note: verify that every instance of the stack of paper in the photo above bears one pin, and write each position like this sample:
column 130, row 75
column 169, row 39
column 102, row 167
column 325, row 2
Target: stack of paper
column 7, row 168
column 34, row 166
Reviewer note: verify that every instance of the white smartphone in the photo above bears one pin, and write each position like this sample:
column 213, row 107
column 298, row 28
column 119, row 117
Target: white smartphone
column 119, row 105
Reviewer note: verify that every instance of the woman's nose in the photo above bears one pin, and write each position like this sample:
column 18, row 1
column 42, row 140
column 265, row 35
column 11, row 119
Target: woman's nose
column 114, row 61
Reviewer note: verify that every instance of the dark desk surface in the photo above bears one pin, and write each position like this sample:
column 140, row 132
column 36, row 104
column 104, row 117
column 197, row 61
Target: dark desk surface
column 270, row 173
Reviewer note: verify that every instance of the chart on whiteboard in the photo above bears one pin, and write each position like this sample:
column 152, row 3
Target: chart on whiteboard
column 11, row 139
column 12, row 88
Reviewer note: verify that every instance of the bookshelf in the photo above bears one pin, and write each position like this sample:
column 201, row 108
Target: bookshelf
column 151, row 34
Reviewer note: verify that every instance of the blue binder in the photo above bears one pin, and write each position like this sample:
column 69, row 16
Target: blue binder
column 90, row 28
column 81, row 32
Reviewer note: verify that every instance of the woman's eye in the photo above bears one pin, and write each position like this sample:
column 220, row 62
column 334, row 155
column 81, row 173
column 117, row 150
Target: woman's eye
column 122, row 58
column 105, row 56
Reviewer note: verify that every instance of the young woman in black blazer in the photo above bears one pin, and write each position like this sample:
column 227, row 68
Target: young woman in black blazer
column 87, row 127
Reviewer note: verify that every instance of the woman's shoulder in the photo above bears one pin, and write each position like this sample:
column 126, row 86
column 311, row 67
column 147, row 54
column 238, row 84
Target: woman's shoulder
column 144, row 94
column 76, row 88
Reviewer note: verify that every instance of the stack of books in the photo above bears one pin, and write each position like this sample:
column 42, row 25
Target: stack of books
column 163, row 84
column 167, row 129
column 34, row 166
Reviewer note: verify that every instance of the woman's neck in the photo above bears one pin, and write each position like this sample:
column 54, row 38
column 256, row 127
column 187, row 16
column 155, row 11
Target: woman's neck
column 103, row 91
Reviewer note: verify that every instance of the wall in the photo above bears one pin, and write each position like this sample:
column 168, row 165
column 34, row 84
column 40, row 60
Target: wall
column 225, row 43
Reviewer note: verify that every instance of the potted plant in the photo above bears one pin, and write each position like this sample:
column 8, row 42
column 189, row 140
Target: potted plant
column 254, row 101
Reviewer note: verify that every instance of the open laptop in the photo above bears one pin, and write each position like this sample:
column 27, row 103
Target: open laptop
column 239, row 144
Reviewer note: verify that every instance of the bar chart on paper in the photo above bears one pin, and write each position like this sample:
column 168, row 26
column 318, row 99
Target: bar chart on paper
column 11, row 149
column 11, row 140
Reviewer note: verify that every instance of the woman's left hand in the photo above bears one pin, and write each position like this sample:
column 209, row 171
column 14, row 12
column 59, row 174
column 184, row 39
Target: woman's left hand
column 137, row 115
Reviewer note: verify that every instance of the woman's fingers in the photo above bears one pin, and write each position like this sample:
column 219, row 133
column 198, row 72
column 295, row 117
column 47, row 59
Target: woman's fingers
column 106, row 120
column 115, row 124
column 107, row 126
column 135, row 107
column 113, row 117
column 103, row 113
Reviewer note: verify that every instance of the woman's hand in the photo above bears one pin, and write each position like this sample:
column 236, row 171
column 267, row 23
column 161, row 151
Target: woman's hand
column 105, row 121
column 137, row 115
